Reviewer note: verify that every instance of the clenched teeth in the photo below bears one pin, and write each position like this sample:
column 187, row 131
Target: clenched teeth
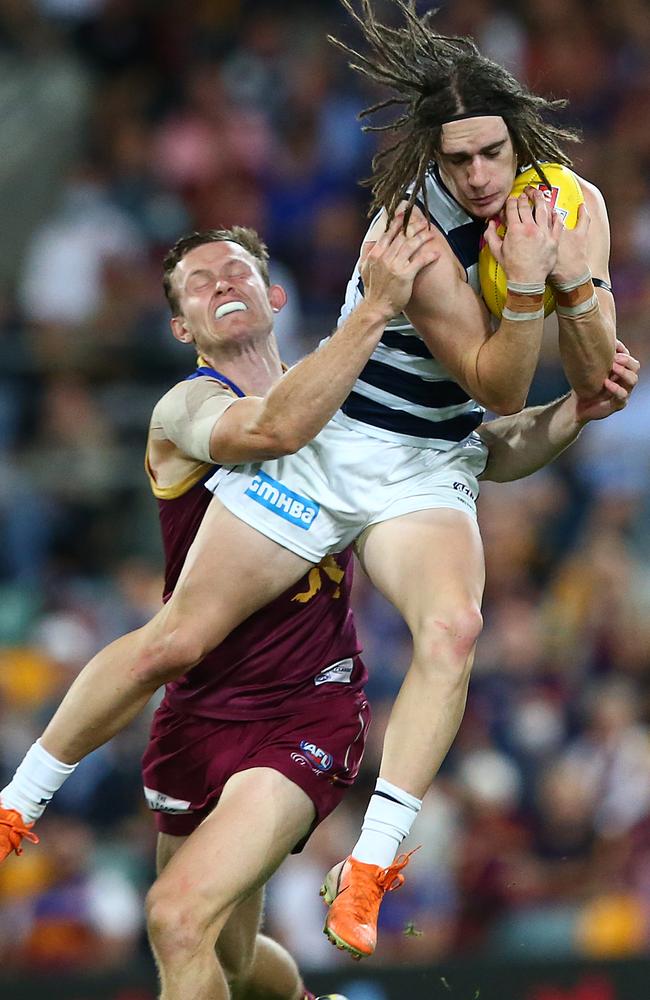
column 227, row 308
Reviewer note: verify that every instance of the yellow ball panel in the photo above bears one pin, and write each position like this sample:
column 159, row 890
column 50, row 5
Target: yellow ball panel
column 565, row 196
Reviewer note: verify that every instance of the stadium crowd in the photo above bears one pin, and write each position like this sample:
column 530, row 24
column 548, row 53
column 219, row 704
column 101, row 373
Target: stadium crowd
column 138, row 121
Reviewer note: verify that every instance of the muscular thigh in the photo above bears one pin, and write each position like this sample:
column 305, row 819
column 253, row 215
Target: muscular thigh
column 426, row 563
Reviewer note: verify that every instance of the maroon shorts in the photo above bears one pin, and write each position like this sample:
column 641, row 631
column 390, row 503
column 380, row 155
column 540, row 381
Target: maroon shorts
column 189, row 758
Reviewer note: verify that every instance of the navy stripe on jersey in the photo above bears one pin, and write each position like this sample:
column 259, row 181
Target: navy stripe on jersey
column 403, row 368
column 427, row 215
column 413, row 388
column 464, row 240
column 366, row 410
column 408, row 342
column 205, row 370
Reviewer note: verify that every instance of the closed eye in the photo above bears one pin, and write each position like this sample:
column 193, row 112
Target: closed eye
column 489, row 151
column 198, row 280
column 239, row 270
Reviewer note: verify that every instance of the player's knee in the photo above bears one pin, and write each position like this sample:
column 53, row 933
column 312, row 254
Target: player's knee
column 450, row 636
column 170, row 928
column 175, row 923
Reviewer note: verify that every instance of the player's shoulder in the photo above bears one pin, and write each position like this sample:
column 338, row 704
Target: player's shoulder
column 169, row 403
column 593, row 196
column 184, row 401
column 190, row 392
column 379, row 223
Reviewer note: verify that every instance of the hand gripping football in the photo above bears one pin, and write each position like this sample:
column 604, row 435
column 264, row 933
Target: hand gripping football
column 565, row 195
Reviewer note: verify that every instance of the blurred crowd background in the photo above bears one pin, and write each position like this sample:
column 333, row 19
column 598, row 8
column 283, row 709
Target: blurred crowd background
column 126, row 123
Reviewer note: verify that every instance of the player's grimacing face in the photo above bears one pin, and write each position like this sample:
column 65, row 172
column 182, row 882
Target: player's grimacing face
column 477, row 162
column 222, row 294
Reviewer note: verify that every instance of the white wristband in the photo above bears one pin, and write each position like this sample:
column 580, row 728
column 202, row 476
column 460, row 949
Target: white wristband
column 570, row 286
column 522, row 317
column 579, row 310
column 525, row 287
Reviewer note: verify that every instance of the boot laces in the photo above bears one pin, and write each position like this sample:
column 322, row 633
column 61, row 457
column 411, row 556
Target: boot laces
column 367, row 889
column 18, row 829
column 391, row 878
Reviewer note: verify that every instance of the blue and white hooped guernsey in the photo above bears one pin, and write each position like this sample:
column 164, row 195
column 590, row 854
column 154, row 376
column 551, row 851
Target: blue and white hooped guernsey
column 403, row 394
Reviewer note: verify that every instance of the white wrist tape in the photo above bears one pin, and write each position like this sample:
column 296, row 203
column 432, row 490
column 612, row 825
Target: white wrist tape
column 570, row 286
column 525, row 287
column 580, row 309
column 521, row 317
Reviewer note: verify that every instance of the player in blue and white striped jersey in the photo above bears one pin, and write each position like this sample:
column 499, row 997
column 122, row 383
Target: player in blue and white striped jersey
column 464, row 128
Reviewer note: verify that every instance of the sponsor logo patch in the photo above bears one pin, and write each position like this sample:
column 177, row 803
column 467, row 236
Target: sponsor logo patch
column 321, row 758
column 282, row 501
column 338, row 673
column 160, row 802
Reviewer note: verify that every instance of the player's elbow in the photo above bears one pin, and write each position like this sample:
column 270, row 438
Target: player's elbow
column 281, row 441
column 507, row 404
column 292, row 440
column 501, row 399
column 257, row 441
column 270, row 442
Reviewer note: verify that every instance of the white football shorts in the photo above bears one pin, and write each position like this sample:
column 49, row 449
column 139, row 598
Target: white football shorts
column 320, row 499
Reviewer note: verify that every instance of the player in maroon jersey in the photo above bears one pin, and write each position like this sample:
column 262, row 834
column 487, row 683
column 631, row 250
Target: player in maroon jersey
column 255, row 745
column 187, row 908
column 281, row 698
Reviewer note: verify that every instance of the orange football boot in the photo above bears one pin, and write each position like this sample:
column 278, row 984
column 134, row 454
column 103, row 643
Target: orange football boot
column 353, row 890
column 12, row 830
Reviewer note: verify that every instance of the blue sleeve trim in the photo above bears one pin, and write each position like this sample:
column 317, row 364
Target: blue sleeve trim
column 213, row 373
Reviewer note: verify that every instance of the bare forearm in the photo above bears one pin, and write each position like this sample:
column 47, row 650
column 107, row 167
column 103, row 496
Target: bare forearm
column 495, row 367
column 586, row 312
column 587, row 350
column 506, row 363
column 525, row 442
column 309, row 394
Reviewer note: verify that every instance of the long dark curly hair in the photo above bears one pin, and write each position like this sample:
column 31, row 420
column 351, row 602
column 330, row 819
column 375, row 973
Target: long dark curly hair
column 436, row 78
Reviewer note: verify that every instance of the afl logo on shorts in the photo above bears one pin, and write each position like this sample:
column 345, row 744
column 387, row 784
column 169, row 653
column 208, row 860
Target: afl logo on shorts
column 277, row 497
column 321, row 758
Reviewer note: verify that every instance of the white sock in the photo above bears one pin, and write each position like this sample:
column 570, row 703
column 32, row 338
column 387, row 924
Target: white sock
column 389, row 818
column 36, row 780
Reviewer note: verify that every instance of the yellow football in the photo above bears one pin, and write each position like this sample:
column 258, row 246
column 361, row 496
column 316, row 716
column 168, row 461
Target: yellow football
column 565, row 195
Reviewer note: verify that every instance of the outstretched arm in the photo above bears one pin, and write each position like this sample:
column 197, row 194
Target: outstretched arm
column 524, row 442
column 310, row 393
